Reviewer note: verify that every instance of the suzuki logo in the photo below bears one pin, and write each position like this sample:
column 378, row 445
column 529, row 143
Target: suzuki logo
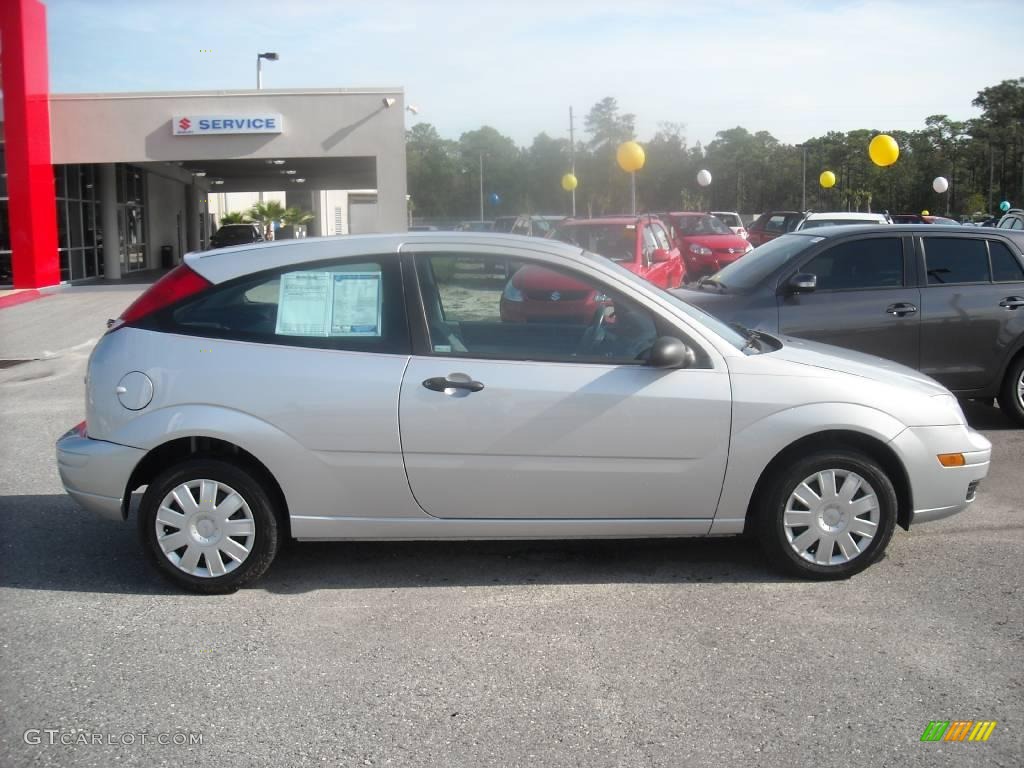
column 555, row 295
column 184, row 124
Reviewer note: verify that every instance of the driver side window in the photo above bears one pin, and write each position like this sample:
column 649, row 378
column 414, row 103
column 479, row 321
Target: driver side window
column 489, row 307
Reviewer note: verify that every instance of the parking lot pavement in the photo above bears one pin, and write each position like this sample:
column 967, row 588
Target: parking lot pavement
column 639, row 653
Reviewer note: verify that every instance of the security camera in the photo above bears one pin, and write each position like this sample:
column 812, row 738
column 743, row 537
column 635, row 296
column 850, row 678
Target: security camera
column 412, row 109
column 388, row 101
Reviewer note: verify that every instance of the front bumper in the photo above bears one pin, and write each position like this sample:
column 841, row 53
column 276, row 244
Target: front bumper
column 95, row 473
column 940, row 491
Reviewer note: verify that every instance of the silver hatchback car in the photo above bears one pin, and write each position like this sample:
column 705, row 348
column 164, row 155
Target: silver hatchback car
column 406, row 387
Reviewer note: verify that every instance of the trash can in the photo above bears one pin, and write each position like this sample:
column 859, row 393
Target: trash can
column 166, row 256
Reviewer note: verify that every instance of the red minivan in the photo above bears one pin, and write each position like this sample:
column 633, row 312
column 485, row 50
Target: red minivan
column 641, row 244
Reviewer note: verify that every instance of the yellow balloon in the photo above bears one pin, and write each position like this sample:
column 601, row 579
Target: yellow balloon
column 883, row 150
column 827, row 179
column 630, row 156
column 569, row 182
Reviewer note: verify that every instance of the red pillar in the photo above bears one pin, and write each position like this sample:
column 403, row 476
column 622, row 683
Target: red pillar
column 32, row 207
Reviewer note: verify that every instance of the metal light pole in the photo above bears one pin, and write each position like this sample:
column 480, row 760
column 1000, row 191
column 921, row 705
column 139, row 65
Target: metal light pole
column 803, row 174
column 481, row 186
column 269, row 56
column 572, row 158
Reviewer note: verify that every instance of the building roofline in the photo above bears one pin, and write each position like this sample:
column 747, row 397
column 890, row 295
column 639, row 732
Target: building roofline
column 391, row 90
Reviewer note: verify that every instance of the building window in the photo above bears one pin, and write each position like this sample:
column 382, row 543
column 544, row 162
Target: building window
column 79, row 240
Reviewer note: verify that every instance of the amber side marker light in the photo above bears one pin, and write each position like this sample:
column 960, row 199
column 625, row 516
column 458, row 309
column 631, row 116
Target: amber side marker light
column 952, row 459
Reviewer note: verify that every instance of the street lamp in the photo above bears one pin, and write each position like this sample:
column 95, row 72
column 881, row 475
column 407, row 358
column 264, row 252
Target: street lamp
column 269, row 56
column 803, row 182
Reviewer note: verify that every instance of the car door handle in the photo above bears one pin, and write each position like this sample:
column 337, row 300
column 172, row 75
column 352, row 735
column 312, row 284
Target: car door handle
column 1012, row 302
column 902, row 309
column 441, row 383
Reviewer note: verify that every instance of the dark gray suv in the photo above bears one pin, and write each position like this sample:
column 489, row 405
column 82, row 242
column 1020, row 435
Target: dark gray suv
column 948, row 303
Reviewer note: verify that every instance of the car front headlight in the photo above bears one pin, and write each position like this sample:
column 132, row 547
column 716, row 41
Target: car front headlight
column 700, row 250
column 511, row 293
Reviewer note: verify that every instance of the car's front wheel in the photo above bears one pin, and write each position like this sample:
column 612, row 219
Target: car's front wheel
column 208, row 525
column 827, row 516
column 1011, row 397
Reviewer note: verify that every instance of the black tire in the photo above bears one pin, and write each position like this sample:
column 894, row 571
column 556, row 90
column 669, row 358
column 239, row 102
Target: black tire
column 266, row 534
column 1009, row 402
column 771, row 507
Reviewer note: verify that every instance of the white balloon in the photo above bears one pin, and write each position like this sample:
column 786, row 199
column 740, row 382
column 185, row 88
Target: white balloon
column 704, row 178
column 940, row 184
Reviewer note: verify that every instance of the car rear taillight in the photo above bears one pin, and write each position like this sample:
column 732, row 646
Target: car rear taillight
column 181, row 282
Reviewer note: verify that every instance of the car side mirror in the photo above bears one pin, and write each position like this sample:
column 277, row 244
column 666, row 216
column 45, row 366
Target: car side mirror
column 802, row 282
column 670, row 352
column 660, row 255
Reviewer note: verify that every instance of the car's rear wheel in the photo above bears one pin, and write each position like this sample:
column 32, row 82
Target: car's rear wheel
column 1011, row 397
column 208, row 526
column 828, row 516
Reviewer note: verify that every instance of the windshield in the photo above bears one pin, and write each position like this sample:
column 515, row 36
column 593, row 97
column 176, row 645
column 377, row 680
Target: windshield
column 729, row 219
column 613, row 241
column 813, row 223
column 700, row 225
column 729, row 334
column 749, row 271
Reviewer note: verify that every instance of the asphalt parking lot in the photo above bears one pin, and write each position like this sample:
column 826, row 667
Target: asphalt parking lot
column 609, row 653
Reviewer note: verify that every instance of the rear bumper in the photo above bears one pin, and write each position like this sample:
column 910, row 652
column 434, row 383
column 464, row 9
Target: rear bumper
column 939, row 491
column 95, row 473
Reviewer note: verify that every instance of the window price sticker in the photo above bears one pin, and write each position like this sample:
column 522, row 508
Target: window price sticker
column 342, row 304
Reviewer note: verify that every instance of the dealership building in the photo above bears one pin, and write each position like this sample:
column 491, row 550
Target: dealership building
column 110, row 184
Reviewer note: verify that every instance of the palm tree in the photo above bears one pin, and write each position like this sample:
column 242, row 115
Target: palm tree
column 295, row 216
column 265, row 213
column 235, row 217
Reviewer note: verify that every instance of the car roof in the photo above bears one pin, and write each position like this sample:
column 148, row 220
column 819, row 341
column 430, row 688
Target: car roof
column 690, row 213
column 234, row 261
column 571, row 222
column 843, row 215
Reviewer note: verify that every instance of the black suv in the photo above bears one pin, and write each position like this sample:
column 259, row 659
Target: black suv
column 946, row 301
column 236, row 234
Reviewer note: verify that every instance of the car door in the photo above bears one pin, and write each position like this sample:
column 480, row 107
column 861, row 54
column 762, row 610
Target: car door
column 553, row 420
column 866, row 299
column 666, row 274
column 972, row 309
column 650, row 270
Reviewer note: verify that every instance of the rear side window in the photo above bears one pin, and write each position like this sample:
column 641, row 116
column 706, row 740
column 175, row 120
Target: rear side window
column 346, row 305
column 951, row 260
column 859, row 265
column 1005, row 266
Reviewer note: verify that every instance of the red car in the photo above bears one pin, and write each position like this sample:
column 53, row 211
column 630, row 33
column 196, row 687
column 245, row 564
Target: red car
column 706, row 243
column 641, row 244
column 536, row 294
column 770, row 225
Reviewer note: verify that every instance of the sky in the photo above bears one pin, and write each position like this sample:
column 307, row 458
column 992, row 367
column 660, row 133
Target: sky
column 781, row 66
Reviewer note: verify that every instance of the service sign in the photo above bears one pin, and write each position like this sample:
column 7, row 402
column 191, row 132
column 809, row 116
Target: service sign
column 206, row 125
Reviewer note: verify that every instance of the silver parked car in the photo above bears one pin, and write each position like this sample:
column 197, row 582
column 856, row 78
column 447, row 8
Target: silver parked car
column 403, row 387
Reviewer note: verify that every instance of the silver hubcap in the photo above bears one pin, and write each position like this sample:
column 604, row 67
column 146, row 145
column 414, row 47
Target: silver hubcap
column 831, row 517
column 205, row 528
column 1020, row 390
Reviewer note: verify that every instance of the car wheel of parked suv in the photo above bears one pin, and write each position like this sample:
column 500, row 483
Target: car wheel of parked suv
column 1011, row 398
column 208, row 526
column 827, row 517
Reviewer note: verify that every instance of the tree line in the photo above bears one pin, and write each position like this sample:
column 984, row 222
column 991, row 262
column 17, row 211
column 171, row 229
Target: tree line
column 983, row 159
